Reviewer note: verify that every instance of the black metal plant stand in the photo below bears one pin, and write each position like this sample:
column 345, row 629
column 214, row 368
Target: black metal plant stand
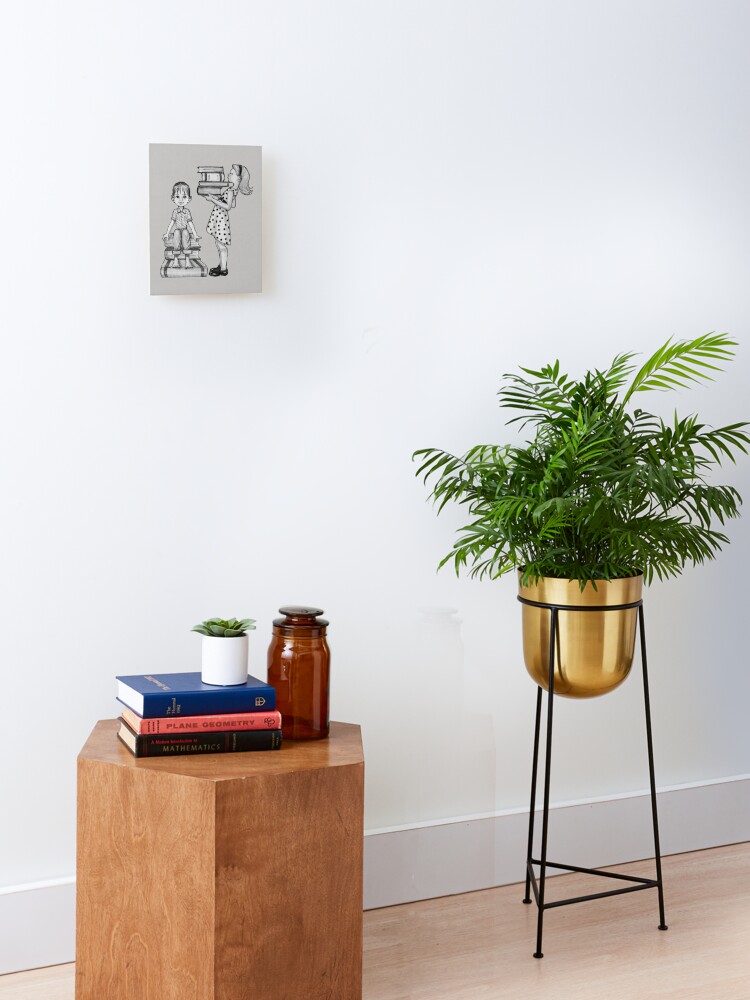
column 544, row 864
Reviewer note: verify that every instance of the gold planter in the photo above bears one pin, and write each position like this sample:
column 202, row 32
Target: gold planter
column 594, row 650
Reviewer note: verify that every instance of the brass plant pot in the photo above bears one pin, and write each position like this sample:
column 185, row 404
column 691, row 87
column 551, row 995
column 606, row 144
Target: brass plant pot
column 594, row 650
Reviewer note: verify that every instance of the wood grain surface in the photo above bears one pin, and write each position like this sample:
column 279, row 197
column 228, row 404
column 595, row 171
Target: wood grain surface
column 343, row 747
column 214, row 877
column 479, row 946
column 145, row 884
column 289, row 886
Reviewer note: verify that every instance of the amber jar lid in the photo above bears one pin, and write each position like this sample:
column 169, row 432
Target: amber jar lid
column 301, row 621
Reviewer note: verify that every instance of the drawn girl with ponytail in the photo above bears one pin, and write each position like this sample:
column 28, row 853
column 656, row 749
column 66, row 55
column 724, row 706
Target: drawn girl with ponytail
column 218, row 223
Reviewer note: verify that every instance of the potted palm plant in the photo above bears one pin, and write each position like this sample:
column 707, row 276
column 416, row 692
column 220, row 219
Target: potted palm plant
column 603, row 497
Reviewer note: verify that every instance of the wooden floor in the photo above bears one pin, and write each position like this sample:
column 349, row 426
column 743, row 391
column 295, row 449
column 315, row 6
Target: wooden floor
column 479, row 946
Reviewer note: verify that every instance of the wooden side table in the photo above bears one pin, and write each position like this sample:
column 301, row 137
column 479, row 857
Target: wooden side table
column 222, row 877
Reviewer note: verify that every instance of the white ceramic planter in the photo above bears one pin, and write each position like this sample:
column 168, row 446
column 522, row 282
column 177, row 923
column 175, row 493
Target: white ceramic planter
column 224, row 661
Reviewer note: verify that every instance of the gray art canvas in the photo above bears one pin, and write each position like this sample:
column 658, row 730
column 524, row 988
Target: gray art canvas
column 205, row 219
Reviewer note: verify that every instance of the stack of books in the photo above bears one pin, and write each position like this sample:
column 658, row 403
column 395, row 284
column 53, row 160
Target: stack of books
column 171, row 714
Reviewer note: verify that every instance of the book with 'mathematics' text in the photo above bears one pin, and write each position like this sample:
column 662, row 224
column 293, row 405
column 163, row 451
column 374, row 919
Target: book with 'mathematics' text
column 199, row 743
column 154, row 696
column 172, row 724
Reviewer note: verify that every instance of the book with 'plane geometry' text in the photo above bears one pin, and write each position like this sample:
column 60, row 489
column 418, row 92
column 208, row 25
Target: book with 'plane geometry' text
column 172, row 724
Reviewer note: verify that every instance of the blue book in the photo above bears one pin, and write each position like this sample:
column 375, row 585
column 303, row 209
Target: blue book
column 155, row 696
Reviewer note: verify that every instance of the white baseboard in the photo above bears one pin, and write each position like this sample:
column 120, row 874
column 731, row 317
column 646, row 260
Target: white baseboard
column 37, row 924
column 441, row 859
column 405, row 864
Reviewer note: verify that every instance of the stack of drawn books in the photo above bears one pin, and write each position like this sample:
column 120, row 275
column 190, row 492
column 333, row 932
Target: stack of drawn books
column 170, row 714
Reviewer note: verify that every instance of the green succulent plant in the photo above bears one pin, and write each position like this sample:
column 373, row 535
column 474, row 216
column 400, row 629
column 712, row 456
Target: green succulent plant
column 228, row 628
column 603, row 489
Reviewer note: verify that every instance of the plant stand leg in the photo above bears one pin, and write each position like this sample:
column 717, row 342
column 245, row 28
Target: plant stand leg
column 647, row 703
column 532, row 807
column 537, row 886
column 547, row 766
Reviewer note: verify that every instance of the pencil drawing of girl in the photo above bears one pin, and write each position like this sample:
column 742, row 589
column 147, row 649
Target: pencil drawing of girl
column 218, row 223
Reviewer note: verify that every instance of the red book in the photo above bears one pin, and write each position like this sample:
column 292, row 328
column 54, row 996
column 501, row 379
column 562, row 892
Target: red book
column 174, row 725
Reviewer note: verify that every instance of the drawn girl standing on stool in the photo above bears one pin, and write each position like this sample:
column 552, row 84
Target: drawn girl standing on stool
column 218, row 223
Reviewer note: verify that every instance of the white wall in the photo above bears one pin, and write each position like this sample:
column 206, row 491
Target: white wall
column 450, row 190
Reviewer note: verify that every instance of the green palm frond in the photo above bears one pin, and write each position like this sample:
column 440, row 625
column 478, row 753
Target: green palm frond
column 617, row 373
column 599, row 491
column 677, row 365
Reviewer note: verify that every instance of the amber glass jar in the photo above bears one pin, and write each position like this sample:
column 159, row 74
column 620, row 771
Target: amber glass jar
column 299, row 669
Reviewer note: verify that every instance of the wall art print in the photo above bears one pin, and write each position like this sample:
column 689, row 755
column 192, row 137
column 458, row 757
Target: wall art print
column 205, row 219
